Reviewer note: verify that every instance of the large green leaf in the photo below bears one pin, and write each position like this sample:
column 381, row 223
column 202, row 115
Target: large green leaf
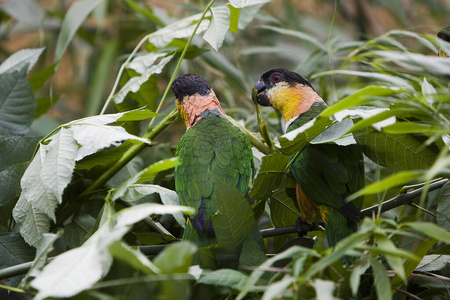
column 381, row 281
column 443, row 207
column 13, row 251
column 17, row 102
column 78, row 269
column 133, row 257
column 269, row 176
column 283, row 209
column 396, row 151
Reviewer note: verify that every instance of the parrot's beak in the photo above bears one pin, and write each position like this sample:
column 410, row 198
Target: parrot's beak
column 259, row 94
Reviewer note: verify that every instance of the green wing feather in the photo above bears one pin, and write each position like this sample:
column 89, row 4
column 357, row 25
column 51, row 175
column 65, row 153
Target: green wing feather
column 212, row 146
column 328, row 173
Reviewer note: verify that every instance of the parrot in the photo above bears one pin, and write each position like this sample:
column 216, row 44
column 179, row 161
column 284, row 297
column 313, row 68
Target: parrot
column 444, row 35
column 211, row 149
column 325, row 174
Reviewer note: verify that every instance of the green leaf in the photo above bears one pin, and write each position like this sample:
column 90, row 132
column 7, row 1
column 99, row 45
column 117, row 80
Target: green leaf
column 10, row 187
column 23, row 59
column 93, row 137
column 234, row 220
column 218, row 27
column 411, row 127
column 138, row 114
column 76, row 232
column 397, row 179
column 35, row 203
column 294, row 141
column 176, row 258
column 168, row 197
column 283, row 209
column 336, row 134
column 59, row 163
column 395, row 261
column 144, row 175
column 43, row 249
column 409, row 264
column 410, row 34
column 393, row 81
column 134, row 83
column 360, row 97
column 133, row 257
column 73, row 19
column 397, row 151
column 177, row 30
column 432, row 230
column 17, row 102
column 14, row 251
column 324, row 289
column 381, row 281
column 433, row 263
column 18, row 149
column 279, row 289
column 225, row 277
column 443, row 207
column 234, row 18
column 269, row 176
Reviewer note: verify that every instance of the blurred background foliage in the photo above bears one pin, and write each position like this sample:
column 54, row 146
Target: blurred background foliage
column 297, row 35
column 341, row 47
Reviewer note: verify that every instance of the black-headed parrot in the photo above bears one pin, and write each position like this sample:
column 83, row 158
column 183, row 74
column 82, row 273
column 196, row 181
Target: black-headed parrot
column 211, row 149
column 325, row 173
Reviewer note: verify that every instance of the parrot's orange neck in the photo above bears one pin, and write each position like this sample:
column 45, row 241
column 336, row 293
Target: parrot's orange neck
column 193, row 106
column 292, row 101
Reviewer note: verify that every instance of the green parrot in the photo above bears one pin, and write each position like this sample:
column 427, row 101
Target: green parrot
column 211, row 149
column 325, row 173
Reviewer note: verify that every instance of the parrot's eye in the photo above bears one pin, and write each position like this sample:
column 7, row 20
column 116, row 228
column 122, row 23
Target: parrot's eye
column 276, row 78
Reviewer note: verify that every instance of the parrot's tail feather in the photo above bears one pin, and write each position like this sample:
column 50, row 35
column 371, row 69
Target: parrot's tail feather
column 199, row 222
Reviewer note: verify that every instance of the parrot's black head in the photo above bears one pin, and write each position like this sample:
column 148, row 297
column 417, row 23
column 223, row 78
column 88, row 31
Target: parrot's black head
column 273, row 79
column 444, row 34
column 189, row 85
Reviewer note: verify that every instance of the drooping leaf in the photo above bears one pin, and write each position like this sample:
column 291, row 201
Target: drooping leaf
column 279, row 289
column 382, row 284
column 73, row 19
column 246, row 3
column 17, row 102
column 59, row 163
column 135, row 83
column 218, row 27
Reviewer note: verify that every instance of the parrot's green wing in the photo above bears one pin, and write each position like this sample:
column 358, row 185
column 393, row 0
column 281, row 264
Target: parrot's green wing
column 212, row 146
column 327, row 174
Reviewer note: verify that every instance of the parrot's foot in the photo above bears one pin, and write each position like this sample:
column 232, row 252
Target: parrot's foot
column 302, row 227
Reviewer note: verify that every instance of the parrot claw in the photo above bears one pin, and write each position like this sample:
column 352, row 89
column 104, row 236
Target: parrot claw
column 302, row 227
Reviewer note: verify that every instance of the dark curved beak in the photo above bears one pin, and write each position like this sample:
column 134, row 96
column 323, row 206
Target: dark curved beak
column 259, row 94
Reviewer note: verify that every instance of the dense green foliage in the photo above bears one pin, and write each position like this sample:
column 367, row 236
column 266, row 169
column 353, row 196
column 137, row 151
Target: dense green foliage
column 91, row 192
